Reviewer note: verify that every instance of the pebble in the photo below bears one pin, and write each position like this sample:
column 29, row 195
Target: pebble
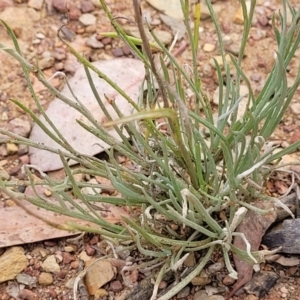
column 96, row 3
column 19, row 126
column 216, row 267
column 239, row 16
column 70, row 283
column 45, row 279
column 46, row 63
column 87, row 19
column 26, row 279
column 11, row 148
column 74, row 13
column 100, row 293
column 12, row 262
column 87, row 6
column 202, row 279
column 94, row 240
column 36, row 4
column 219, row 60
column 68, row 33
column 295, row 107
column 100, row 273
column 227, row 280
column 4, row 175
column 255, row 77
column 27, row 295
column 116, row 286
column 50, row 265
column 89, row 250
column 60, row 5
column 67, row 258
column 263, row 20
column 117, row 52
column 202, row 295
column 207, row 47
column 62, row 274
column 6, row 3
column 94, row 43
column 184, row 293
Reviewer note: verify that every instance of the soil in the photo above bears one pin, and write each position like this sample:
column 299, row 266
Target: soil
column 36, row 28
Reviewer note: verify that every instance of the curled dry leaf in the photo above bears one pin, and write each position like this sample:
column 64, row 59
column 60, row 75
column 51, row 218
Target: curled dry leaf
column 253, row 227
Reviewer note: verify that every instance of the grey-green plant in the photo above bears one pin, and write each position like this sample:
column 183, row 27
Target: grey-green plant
column 183, row 178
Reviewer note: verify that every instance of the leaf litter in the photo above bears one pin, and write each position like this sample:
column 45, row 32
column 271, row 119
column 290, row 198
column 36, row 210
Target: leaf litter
column 126, row 73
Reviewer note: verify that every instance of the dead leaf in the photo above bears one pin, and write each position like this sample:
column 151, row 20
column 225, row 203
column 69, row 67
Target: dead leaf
column 253, row 227
column 126, row 73
column 19, row 227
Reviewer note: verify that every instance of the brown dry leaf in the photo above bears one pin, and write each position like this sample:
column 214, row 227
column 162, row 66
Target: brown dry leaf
column 253, row 227
column 19, row 227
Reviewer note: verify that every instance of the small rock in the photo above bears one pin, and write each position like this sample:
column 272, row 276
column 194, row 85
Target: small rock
column 261, row 283
column 190, row 260
column 105, row 40
column 94, row 240
column 117, row 52
column 202, row 295
column 87, row 19
column 295, row 107
column 100, row 273
column 26, row 279
column 94, row 43
column 202, row 279
column 209, row 47
column 68, row 33
column 36, row 4
column 84, row 257
column 60, row 5
column 134, row 275
column 219, row 60
column 4, row 175
column 87, row 6
column 46, row 63
column 89, row 250
column 19, row 126
column 255, row 77
column 28, row 295
column 12, row 262
column 62, row 274
column 100, row 293
column 227, row 280
column 96, row 3
column 67, row 257
column 11, row 148
column 45, row 279
column 216, row 267
column 116, row 286
column 59, row 54
column 263, row 20
column 239, row 16
column 6, row 3
column 70, row 283
column 126, row 50
column 184, row 293
column 74, row 13
column 50, row 265
column 74, row 264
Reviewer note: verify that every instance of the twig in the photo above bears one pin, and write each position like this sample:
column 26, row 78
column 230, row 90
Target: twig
column 146, row 46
